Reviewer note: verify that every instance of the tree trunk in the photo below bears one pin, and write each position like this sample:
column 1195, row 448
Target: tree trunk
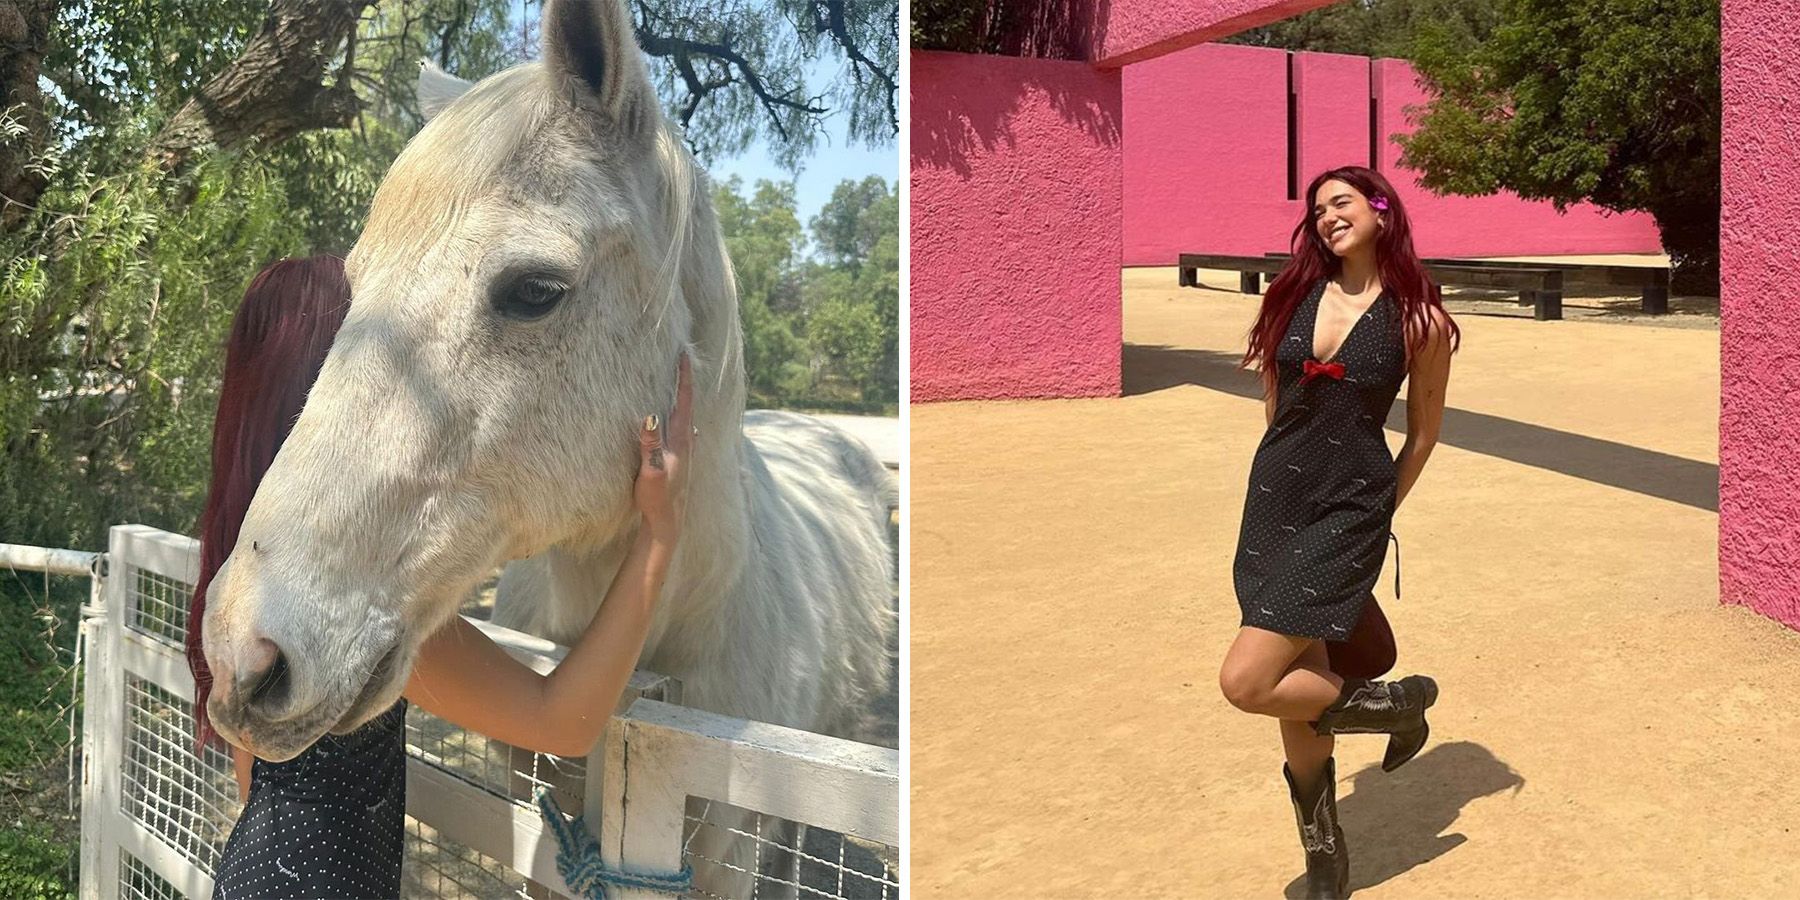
column 24, row 38
column 275, row 89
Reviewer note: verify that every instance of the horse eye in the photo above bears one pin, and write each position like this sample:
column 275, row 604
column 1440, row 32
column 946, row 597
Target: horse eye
column 529, row 297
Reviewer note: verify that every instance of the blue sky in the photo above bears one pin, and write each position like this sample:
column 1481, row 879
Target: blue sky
column 833, row 159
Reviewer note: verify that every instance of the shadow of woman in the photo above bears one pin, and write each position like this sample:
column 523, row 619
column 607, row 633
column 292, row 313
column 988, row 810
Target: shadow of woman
column 1396, row 821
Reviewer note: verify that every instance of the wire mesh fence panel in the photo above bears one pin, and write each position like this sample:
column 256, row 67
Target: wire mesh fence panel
column 762, row 856
column 439, row 867
column 722, row 797
column 158, row 606
column 188, row 802
column 138, row 881
column 495, row 767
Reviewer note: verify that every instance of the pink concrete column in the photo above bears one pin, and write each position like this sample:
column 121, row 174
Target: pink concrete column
column 1016, row 222
column 1206, row 154
column 1759, row 353
column 1331, row 96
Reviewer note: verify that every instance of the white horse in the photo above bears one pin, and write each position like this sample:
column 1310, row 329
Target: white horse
column 533, row 264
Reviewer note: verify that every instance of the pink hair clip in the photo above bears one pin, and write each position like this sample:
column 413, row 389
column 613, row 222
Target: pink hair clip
column 1379, row 201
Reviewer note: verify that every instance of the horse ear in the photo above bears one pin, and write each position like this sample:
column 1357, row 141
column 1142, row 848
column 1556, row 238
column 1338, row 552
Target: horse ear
column 437, row 89
column 590, row 49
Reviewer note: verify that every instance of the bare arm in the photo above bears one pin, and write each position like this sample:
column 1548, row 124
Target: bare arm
column 463, row 676
column 240, row 766
column 1428, row 378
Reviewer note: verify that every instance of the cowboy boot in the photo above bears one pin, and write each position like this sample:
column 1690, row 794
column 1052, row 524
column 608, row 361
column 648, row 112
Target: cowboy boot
column 1327, row 856
column 1395, row 708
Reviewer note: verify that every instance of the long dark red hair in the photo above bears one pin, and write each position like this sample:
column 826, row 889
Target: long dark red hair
column 278, row 341
column 1402, row 275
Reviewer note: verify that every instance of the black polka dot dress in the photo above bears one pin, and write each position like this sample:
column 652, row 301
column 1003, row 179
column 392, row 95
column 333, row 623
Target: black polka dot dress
column 327, row 823
column 1321, row 493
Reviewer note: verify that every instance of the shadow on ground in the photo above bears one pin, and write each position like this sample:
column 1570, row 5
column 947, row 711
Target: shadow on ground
column 1148, row 368
column 1394, row 822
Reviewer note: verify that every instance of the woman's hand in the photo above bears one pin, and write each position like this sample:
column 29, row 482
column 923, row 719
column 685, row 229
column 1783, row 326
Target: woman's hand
column 463, row 676
column 663, row 448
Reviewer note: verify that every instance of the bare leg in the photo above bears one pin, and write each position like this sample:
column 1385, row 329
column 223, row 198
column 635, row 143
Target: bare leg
column 1267, row 673
column 1307, row 750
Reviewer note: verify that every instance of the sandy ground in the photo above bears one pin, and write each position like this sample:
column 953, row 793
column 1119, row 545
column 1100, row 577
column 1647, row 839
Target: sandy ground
column 1606, row 728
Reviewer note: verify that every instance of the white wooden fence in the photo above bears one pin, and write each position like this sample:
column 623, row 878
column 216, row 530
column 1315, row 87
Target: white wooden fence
column 155, row 816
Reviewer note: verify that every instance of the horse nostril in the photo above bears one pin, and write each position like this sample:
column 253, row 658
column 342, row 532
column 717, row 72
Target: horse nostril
column 271, row 686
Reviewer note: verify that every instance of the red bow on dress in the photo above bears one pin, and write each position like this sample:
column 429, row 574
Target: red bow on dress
column 1313, row 367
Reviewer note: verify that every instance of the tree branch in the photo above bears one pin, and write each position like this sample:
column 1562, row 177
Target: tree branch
column 682, row 51
column 24, row 39
column 829, row 18
column 275, row 89
column 448, row 36
column 697, row 89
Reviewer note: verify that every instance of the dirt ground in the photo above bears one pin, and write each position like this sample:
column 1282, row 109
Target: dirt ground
column 1606, row 728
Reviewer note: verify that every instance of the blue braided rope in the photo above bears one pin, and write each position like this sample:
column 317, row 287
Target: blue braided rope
column 578, row 859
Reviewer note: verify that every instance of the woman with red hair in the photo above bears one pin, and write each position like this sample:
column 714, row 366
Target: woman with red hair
column 329, row 822
column 1351, row 317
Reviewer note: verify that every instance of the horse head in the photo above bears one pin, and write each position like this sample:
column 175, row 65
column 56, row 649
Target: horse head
column 532, row 266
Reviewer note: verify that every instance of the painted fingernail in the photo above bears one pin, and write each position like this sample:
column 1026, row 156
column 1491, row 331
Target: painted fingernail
column 650, row 422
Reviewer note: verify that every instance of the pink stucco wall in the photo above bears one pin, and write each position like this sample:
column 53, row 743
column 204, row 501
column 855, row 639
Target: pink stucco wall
column 1759, row 356
column 1015, row 202
column 1206, row 154
column 1331, row 101
column 1206, row 161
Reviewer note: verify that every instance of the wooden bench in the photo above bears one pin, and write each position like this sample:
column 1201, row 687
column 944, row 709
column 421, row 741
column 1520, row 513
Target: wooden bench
column 1250, row 269
column 1543, row 284
column 1652, row 282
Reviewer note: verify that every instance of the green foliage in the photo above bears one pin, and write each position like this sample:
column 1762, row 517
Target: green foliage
column 853, row 291
column 818, row 333
column 38, row 834
column 1375, row 28
column 35, row 864
column 1056, row 27
column 953, row 25
column 1041, row 29
column 115, row 304
column 1614, row 102
column 142, row 56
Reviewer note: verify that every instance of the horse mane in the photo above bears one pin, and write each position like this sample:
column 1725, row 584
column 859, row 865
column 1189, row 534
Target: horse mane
column 457, row 155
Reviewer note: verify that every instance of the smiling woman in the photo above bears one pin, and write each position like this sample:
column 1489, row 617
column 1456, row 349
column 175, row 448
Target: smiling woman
column 1352, row 317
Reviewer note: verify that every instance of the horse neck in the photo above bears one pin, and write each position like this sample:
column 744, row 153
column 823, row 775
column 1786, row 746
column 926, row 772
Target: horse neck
column 715, row 541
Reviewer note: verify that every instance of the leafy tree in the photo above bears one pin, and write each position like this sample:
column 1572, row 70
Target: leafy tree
column 1045, row 29
column 818, row 333
column 1615, row 102
column 853, row 290
column 856, row 218
column 1374, row 28
column 764, row 239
